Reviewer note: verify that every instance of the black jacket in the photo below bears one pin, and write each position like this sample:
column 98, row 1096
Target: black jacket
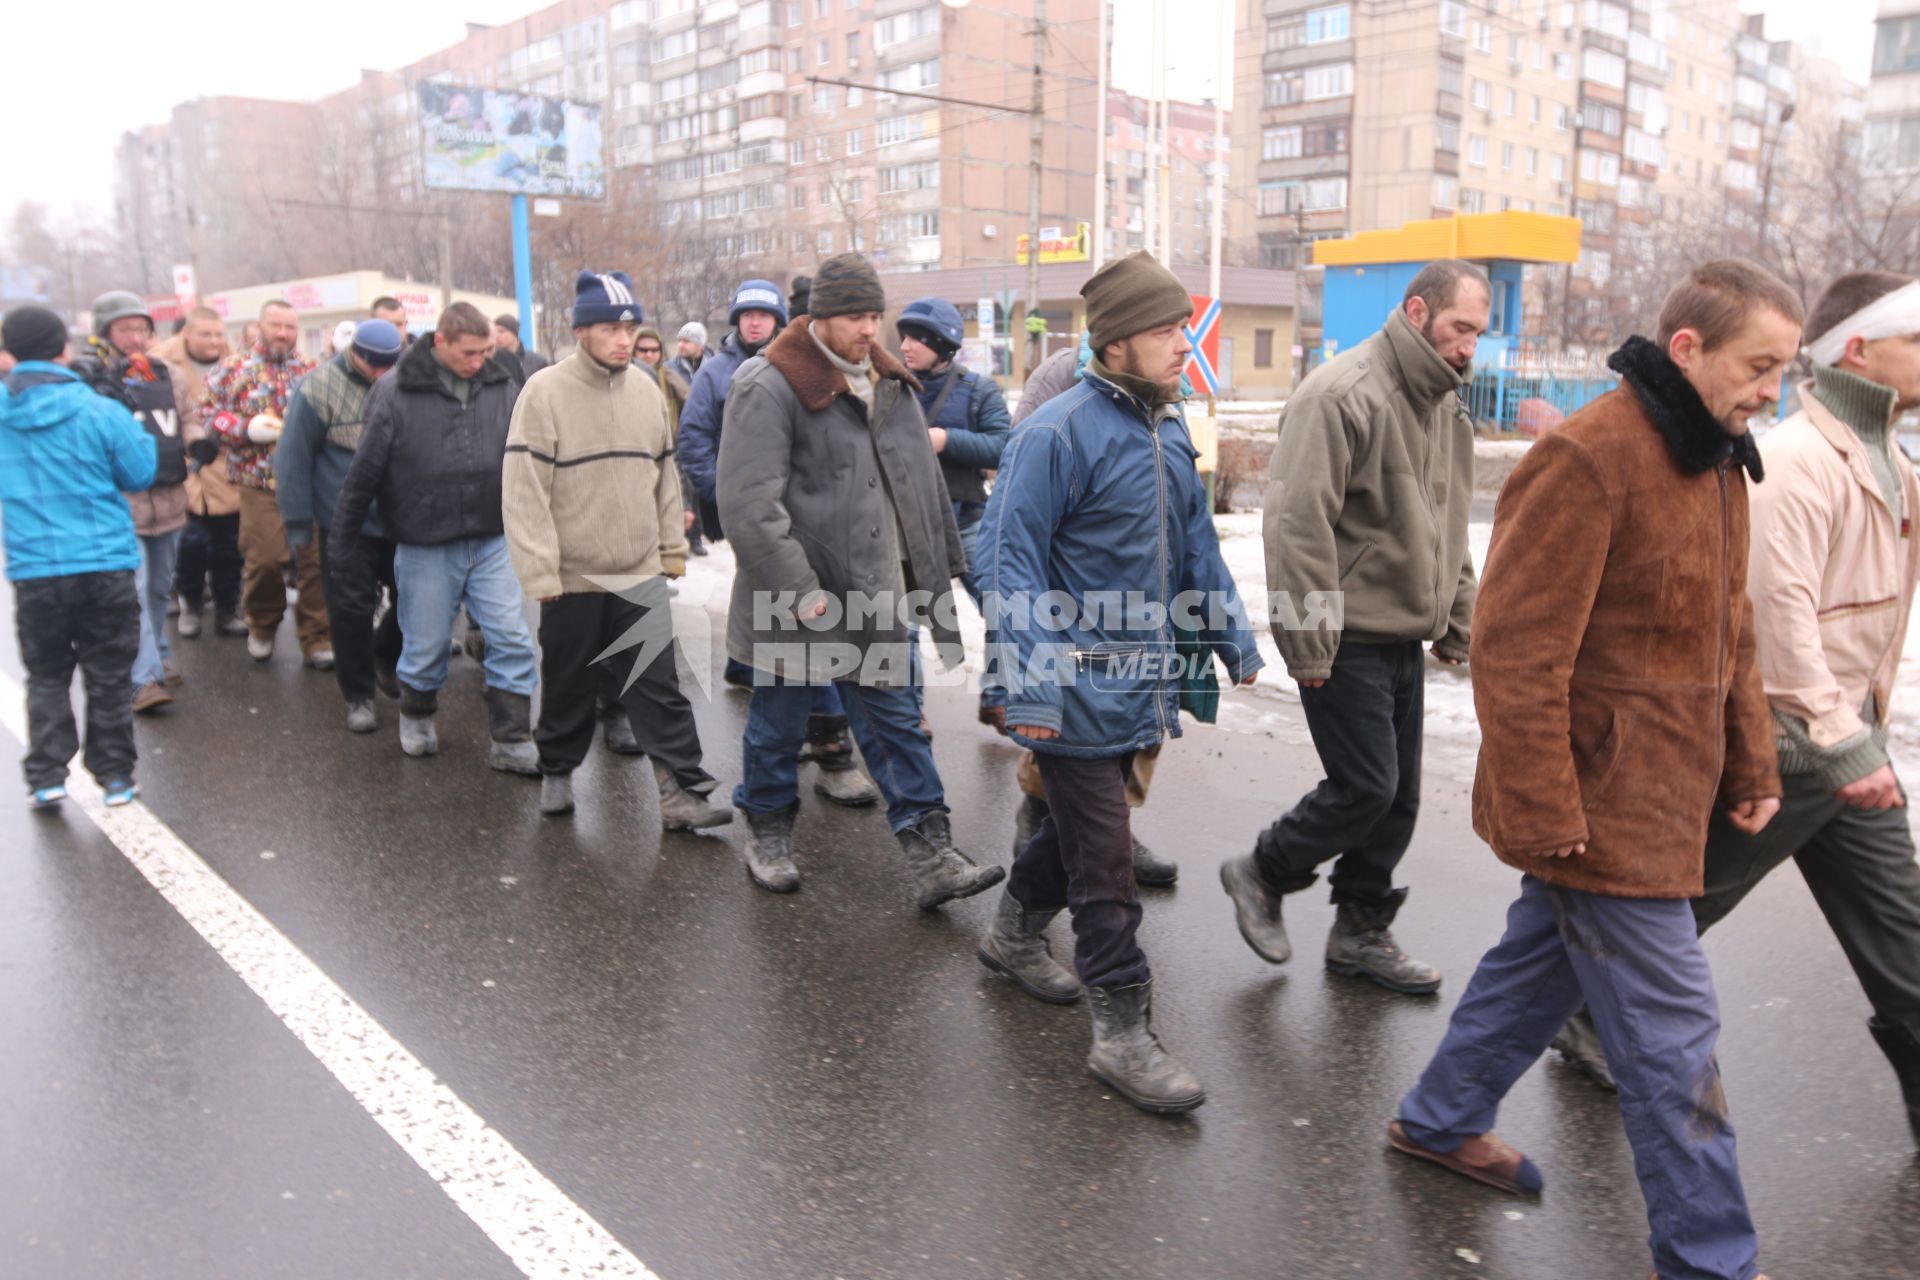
column 433, row 464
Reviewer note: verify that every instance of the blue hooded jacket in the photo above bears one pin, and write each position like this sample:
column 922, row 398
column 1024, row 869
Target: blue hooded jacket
column 67, row 453
column 700, row 418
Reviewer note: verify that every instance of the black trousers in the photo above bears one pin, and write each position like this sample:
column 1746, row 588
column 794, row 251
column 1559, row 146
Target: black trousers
column 1366, row 725
column 1081, row 858
column 91, row 620
column 210, row 545
column 352, row 587
column 576, row 629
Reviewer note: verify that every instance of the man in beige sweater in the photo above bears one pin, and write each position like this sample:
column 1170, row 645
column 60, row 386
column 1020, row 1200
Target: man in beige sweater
column 591, row 500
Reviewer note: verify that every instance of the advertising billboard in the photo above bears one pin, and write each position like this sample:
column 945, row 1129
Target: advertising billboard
column 477, row 139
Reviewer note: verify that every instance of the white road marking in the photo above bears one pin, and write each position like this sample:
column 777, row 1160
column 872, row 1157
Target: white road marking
column 534, row 1222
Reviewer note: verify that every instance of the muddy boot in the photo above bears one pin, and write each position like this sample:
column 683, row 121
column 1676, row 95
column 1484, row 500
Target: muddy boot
column 618, row 732
column 1129, row 1059
column 1902, row 1048
column 1152, row 870
column 941, row 872
column 681, row 809
column 510, row 724
column 770, row 850
column 1580, row 1048
column 841, row 780
column 1256, row 909
column 417, row 737
column 1026, row 822
column 556, row 794
column 1016, row 945
column 1362, row 946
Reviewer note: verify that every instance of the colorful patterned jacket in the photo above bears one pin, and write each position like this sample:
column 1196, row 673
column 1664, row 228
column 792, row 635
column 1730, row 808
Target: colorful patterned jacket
column 245, row 384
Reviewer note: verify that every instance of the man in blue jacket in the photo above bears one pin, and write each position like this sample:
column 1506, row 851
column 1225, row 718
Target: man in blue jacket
column 1098, row 504
column 66, row 456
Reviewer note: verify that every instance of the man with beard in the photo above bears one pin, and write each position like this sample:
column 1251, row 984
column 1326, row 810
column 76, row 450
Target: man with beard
column 1366, row 532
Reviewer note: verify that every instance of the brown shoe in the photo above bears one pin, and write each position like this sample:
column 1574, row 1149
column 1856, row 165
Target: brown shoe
column 174, row 678
column 150, row 697
column 1484, row 1159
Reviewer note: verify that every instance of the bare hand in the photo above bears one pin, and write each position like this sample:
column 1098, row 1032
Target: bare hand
column 1878, row 790
column 1251, row 677
column 1034, row 732
column 1310, row 684
column 819, row 610
column 689, row 525
column 1568, row 851
column 1752, row 816
column 938, row 435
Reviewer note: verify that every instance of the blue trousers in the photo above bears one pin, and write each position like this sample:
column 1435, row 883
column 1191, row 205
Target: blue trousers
column 1637, row 964
column 432, row 583
column 886, row 724
column 153, row 580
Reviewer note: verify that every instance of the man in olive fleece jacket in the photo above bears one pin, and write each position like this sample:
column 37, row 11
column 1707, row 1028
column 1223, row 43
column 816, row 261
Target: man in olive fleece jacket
column 591, row 501
column 1367, row 557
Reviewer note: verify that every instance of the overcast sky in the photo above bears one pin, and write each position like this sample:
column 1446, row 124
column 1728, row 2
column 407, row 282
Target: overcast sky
column 70, row 93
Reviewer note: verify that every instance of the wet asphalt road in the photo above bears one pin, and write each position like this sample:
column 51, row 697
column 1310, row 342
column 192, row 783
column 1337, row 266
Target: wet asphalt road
column 749, row 1087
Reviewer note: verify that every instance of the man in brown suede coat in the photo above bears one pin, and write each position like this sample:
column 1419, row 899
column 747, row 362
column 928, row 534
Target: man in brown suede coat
column 1619, row 706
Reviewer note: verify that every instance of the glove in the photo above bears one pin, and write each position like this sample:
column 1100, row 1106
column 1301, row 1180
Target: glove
column 204, row 452
column 263, row 428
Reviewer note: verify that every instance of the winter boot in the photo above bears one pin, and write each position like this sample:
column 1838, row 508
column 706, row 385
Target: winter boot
column 360, row 717
column 841, row 779
column 188, row 622
column 770, row 850
column 1362, row 946
column 941, row 872
column 1580, row 1048
column 231, row 625
column 681, row 809
column 1026, row 822
column 1152, row 870
column 1129, row 1059
column 417, row 707
column 618, row 731
column 556, row 794
column 1256, row 909
column 510, row 723
column 1015, row 944
column 1902, row 1048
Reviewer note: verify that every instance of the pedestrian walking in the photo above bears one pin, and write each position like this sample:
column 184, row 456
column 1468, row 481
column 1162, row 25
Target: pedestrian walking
column 1620, row 704
column 1098, row 496
column 522, row 361
column 1366, row 540
column 209, row 561
column 67, row 455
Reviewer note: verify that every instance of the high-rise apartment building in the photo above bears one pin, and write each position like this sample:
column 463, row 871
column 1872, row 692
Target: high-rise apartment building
column 1134, row 177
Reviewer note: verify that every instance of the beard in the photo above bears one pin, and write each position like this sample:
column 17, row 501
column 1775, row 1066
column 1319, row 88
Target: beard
column 1457, row 365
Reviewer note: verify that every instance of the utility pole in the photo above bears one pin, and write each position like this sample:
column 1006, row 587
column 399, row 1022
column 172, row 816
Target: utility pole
column 1036, row 155
column 446, row 254
column 1166, row 142
column 1216, row 232
column 1100, row 214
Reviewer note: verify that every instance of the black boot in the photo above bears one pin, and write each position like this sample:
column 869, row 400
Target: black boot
column 1362, row 946
column 1128, row 1057
column 1016, row 945
column 770, row 850
column 417, row 708
column 1152, row 870
column 618, row 731
column 941, row 872
column 1902, row 1048
column 1580, row 1048
column 1256, row 909
column 1026, row 822
column 510, row 724
column 841, row 780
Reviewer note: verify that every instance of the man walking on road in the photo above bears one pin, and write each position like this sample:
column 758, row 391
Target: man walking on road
column 67, row 455
column 431, row 453
column 1620, row 704
column 246, row 403
column 509, row 351
column 1367, row 557
column 836, row 511
column 1098, row 495
column 592, row 508
column 325, row 420
column 210, row 544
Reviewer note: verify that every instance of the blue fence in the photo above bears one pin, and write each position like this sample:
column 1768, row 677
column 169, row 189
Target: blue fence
column 1495, row 395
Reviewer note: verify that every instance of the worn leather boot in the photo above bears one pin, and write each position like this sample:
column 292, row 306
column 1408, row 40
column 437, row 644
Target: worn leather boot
column 770, row 850
column 1256, row 909
column 1902, row 1048
column 556, row 794
column 1362, row 946
column 1026, row 822
column 681, row 809
column 510, row 724
column 841, row 780
column 1015, row 945
column 618, row 732
column 941, row 872
column 1128, row 1057
column 1152, row 870
column 417, row 707
column 1580, row 1048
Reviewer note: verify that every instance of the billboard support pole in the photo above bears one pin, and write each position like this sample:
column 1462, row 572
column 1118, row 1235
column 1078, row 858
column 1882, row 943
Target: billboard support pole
column 523, row 273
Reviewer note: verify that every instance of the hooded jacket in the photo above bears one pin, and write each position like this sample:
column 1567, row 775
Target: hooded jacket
column 67, row 454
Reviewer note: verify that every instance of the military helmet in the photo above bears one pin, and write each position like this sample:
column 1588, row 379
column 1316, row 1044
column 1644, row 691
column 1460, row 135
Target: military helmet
column 117, row 304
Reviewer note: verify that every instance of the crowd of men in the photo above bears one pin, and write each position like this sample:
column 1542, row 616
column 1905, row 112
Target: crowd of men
column 1683, row 675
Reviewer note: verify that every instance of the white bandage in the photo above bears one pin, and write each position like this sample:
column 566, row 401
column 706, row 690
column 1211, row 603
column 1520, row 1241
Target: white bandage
column 1888, row 316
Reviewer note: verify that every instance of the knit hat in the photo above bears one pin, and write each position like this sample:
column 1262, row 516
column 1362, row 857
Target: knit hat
column 935, row 322
column 1132, row 295
column 33, row 333
column 758, row 295
column 508, row 321
column 798, row 295
column 378, row 342
column 604, row 299
column 694, row 331
column 847, row 285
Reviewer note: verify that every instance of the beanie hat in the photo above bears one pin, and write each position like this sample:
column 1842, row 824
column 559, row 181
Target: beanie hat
column 33, row 333
column 1132, row 295
column 935, row 322
column 378, row 342
column 604, row 299
column 798, row 294
column 694, row 331
column 508, row 321
column 758, row 295
column 846, row 285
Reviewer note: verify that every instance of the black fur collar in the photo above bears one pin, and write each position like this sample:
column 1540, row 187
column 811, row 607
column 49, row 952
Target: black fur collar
column 1698, row 442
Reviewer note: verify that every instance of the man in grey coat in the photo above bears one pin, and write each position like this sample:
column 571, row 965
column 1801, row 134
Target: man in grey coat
column 845, row 537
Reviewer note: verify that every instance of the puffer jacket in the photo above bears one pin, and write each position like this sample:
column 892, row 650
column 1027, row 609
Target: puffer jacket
column 975, row 419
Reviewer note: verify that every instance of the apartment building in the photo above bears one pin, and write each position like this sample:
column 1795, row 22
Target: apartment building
column 1133, row 178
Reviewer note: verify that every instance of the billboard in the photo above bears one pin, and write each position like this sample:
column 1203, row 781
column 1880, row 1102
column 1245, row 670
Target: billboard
column 1058, row 246
column 477, row 139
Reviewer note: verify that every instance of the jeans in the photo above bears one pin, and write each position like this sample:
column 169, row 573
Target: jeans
column 91, row 620
column 968, row 515
column 353, row 597
column 153, row 581
column 1081, row 858
column 432, row 583
column 1638, row 965
column 886, row 724
column 210, row 548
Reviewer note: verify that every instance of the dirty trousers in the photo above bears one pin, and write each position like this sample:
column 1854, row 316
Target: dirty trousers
column 1637, row 964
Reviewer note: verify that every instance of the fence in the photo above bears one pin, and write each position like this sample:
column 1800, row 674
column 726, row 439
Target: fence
column 1509, row 394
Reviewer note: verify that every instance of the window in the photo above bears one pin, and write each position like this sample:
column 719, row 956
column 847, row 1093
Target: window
column 673, row 46
column 1446, row 191
column 823, row 244
column 823, row 148
column 1533, row 162
column 1451, row 73
column 1446, row 135
column 677, row 170
column 796, row 61
column 1533, row 113
column 1742, row 176
column 1749, row 93
column 1605, row 68
column 1563, row 65
column 1601, row 118
column 796, row 152
column 1280, row 143
column 853, row 48
column 1516, row 49
column 1559, row 168
column 1602, row 167
column 1513, row 104
column 1322, row 138
column 1482, row 95
column 1607, row 19
column 923, row 176
column 1472, row 201
column 1561, row 117
column 1263, row 348
column 855, row 95
column 1482, row 38
column 1539, row 56
column 1296, row 196
column 627, row 13
column 1327, row 24
column 1896, row 46
column 1645, row 148
column 1286, row 33
column 759, row 60
column 719, row 77
column 854, row 142
column 1453, row 19
column 822, row 53
column 1331, row 80
column 902, row 27
column 916, row 75
column 793, row 14
column 822, row 100
column 1506, row 157
column 897, row 129
column 627, row 55
column 1477, row 151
